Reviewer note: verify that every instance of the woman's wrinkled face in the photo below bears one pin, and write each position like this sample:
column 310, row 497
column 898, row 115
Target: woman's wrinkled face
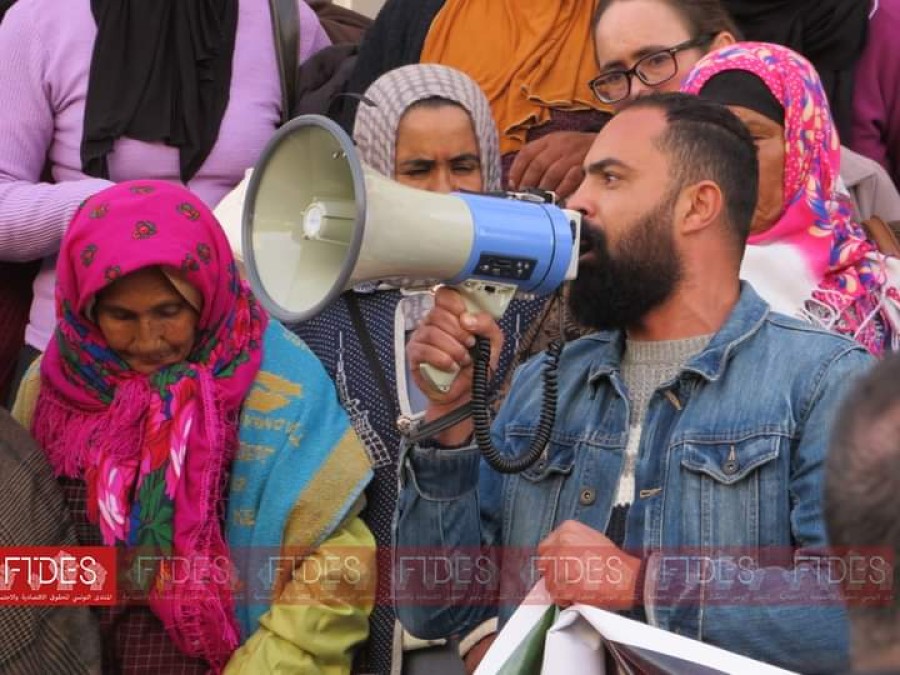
column 146, row 321
column 437, row 150
column 769, row 138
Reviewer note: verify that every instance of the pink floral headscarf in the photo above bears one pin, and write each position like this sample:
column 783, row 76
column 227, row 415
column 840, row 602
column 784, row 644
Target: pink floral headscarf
column 154, row 450
column 853, row 291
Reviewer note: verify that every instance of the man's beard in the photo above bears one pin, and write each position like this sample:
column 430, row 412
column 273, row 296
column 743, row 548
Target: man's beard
column 616, row 291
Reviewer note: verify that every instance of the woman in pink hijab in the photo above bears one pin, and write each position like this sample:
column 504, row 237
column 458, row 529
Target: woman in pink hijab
column 202, row 439
column 806, row 255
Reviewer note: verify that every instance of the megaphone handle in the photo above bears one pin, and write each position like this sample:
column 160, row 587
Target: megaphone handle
column 479, row 296
column 441, row 380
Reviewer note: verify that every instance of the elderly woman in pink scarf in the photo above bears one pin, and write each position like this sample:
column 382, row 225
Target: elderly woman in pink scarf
column 204, row 441
column 806, row 254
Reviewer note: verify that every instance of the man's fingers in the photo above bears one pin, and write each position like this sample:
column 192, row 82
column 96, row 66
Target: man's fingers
column 549, row 543
column 449, row 299
column 450, row 330
column 483, row 324
column 437, row 348
column 421, row 353
column 447, row 323
column 480, row 323
column 460, row 386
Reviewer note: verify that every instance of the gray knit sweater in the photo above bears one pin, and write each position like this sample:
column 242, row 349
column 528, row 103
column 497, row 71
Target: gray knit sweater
column 645, row 366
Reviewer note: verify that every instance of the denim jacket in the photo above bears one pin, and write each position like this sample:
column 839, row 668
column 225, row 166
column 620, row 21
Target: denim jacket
column 730, row 459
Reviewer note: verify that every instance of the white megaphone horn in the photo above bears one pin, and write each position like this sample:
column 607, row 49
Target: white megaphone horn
column 317, row 221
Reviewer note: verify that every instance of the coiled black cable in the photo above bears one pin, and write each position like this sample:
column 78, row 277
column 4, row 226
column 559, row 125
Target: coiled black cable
column 481, row 412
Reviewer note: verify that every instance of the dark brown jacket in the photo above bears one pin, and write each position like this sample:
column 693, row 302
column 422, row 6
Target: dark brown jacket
column 38, row 640
column 342, row 25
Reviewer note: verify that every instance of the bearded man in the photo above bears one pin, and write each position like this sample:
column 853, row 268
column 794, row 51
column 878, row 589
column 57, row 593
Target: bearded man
column 690, row 430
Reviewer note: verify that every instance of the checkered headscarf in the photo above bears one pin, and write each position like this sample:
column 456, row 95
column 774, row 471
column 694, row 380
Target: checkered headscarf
column 375, row 131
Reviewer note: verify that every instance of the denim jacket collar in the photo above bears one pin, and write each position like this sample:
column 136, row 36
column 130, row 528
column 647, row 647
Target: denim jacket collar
column 744, row 321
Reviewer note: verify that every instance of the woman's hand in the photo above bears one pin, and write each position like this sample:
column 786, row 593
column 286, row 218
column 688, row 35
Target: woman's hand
column 553, row 162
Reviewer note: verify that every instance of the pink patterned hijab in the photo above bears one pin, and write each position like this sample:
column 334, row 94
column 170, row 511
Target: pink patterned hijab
column 154, row 450
column 851, row 290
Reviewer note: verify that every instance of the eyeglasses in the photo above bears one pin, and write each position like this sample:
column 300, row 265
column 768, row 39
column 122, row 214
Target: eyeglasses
column 652, row 69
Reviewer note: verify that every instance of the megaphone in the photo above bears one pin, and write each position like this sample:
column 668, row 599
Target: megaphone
column 317, row 221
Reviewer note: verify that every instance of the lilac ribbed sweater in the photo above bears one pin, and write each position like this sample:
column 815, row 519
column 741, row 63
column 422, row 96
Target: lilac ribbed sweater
column 45, row 56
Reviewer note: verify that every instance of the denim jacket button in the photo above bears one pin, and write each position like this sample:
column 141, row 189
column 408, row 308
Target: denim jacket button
column 588, row 496
column 730, row 467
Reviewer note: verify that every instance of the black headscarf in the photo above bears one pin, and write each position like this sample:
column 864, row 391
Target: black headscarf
column 746, row 89
column 160, row 72
column 5, row 5
column 830, row 33
column 395, row 39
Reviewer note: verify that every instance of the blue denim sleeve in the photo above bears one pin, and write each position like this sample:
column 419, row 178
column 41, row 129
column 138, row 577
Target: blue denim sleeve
column 795, row 617
column 443, row 570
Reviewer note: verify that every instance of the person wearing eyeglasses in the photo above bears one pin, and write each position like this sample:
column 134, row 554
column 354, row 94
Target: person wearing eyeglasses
column 640, row 47
column 646, row 46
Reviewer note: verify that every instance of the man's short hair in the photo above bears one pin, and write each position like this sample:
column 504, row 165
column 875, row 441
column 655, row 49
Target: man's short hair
column 706, row 141
column 862, row 481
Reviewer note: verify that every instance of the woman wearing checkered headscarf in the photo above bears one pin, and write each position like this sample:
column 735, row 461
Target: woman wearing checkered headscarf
column 393, row 94
column 427, row 126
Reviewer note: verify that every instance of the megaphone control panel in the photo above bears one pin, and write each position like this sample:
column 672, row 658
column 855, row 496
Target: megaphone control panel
column 505, row 267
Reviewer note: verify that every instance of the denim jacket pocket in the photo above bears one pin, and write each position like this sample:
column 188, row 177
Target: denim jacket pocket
column 733, row 492
column 729, row 463
column 537, row 490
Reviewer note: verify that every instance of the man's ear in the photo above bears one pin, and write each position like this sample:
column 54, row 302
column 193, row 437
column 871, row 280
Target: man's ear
column 700, row 206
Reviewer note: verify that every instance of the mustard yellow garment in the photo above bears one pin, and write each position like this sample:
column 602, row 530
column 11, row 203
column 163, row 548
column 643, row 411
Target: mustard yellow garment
column 27, row 395
column 527, row 55
column 316, row 622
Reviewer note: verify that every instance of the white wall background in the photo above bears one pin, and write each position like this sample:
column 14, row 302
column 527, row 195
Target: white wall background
column 367, row 7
